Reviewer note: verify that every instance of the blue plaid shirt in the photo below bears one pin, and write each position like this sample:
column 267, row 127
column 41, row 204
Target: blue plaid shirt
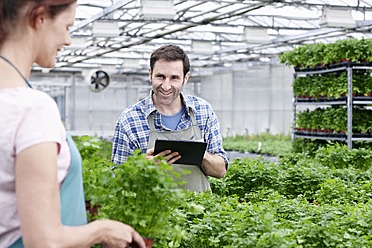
column 132, row 130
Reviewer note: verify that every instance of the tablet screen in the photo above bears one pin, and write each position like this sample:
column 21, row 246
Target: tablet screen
column 192, row 152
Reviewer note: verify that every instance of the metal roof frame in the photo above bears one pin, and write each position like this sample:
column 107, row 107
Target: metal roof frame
column 289, row 23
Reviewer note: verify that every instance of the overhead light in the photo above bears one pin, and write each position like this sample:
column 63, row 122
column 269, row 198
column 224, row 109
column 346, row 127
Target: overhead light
column 157, row 9
column 336, row 18
column 202, row 47
column 76, row 43
column 256, row 35
column 105, row 29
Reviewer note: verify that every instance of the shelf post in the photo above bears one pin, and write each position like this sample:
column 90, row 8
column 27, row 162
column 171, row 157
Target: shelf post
column 349, row 107
column 293, row 109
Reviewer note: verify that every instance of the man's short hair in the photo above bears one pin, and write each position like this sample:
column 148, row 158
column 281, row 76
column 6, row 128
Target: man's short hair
column 170, row 53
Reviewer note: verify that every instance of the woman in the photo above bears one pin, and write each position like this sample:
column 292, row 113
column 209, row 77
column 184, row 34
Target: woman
column 41, row 194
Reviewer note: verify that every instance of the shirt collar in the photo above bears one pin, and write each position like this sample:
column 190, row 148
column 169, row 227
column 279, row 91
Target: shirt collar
column 188, row 103
column 149, row 105
column 186, row 100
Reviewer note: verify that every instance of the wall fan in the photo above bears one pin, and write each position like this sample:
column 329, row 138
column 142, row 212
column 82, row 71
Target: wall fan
column 99, row 81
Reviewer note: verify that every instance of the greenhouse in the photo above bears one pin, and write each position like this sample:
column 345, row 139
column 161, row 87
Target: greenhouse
column 233, row 48
column 273, row 123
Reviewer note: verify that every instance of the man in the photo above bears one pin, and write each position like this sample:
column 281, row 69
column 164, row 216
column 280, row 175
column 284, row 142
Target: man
column 168, row 112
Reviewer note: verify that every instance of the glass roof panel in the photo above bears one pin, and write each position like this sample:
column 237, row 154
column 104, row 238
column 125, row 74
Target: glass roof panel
column 222, row 23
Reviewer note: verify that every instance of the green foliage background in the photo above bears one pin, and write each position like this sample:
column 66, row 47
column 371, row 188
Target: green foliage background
column 265, row 144
column 313, row 198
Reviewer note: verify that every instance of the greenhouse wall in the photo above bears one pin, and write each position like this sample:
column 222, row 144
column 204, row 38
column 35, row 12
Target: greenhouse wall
column 246, row 100
column 254, row 100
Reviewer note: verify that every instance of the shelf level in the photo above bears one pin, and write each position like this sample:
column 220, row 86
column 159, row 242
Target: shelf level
column 319, row 137
column 348, row 101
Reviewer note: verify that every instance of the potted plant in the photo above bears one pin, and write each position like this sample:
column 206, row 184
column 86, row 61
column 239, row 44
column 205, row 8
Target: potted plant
column 140, row 193
column 95, row 153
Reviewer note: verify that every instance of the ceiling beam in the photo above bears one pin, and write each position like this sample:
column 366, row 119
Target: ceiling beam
column 103, row 13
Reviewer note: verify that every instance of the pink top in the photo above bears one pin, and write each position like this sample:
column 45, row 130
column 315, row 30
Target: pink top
column 27, row 117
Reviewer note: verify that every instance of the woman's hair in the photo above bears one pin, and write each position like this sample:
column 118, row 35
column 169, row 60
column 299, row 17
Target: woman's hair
column 10, row 12
column 170, row 53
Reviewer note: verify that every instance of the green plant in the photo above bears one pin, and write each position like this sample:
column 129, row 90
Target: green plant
column 264, row 143
column 303, row 178
column 344, row 192
column 319, row 198
column 141, row 193
column 339, row 156
column 334, row 119
column 311, row 55
column 246, row 175
column 95, row 154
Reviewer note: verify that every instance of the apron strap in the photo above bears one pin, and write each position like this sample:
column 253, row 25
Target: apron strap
column 193, row 119
column 150, row 119
column 73, row 211
column 17, row 244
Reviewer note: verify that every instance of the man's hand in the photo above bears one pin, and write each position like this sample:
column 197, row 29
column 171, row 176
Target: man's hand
column 167, row 155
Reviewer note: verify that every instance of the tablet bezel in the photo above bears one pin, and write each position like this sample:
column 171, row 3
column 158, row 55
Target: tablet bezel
column 192, row 152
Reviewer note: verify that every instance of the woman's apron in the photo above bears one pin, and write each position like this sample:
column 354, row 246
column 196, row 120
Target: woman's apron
column 73, row 211
column 196, row 180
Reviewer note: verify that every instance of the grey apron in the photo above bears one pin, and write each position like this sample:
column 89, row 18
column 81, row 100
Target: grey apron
column 196, row 180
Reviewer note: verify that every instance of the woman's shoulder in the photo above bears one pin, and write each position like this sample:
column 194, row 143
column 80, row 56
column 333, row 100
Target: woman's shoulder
column 37, row 95
column 25, row 93
column 36, row 98
column 25, row 101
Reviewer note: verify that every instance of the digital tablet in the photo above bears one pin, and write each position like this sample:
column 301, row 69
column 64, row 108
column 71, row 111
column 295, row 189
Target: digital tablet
column 192, row 152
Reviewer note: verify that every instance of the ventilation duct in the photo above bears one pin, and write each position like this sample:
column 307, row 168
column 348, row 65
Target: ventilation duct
column 202, row 47
column 336, row 18
column 157, row 9
column 256, row 35
column 106, row 29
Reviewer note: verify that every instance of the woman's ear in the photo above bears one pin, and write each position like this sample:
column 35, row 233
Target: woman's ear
column 37, row 16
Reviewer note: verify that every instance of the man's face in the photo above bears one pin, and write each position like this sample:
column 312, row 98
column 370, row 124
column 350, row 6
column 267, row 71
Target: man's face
column 167, row 80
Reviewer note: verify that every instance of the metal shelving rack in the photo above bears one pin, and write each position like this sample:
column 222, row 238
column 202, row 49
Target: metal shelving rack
column 349, row 102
